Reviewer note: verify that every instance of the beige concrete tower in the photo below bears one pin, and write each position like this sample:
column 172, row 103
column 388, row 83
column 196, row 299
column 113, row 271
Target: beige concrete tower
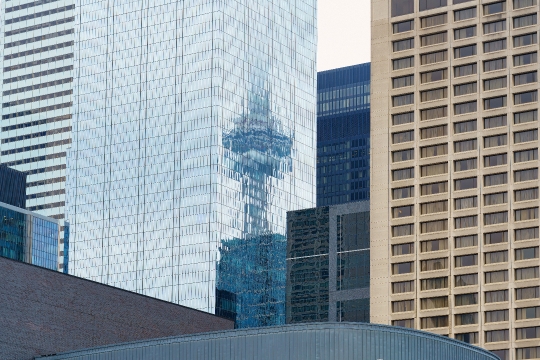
column 454, row 178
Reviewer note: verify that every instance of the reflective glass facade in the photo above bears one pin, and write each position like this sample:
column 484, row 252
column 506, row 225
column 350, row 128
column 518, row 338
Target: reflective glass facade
column 193, row 134
column 328, row 264
column 28, row 237
column 343, row 126
column 12, row 187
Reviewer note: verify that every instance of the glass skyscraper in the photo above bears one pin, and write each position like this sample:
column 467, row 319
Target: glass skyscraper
column 12, row 187
column 343, row 126
column 193, row 135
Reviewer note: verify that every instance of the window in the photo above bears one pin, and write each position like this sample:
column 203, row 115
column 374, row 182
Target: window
column 403, row 287
column 466, row 280
column 525, row 78
column 495, row 179
column 527, row 234
column 525, row 175
column 526, row 97
column 433, row 113
column 495, row 83
column 434, row 303
column 402, row 268
column 526, row 214
column 495, row 199
column 494, row 8
column 518, row 4
column 465, row 32
column 466, row 222
column 464, row 51
column 526, row 20
column 455, row 2
column 434, row 322
column 465, row 108
column 526, row 155
column 526, row 194
column 403, row 63
column 525, row 136
column 434, row 57
column 496, row 140
column 496, row 238
column 434, row 150
column 497, row 335
column 434, row 207
column 402, row 174
column 402, row 306
column 402, row 7
column 403, row 118
column 434, row 188
column 525, row 117
column 528, row 293
column 465, row 184
column 466, row 241
column 433, row 39
column 466, row 203
column 466, row 319
column 525, row 59
column 496, row 296
column 406, row 323
column 496, row 257
column 403, row 193
column 402, row 45
column 464, row 89
column 403, row 81
column 403, row 26
column 401, row 137
column 495, row 64
column 434, row 283
column 466, row 260
column 432, row 76
column 528, row 333
column 403, row 230
column 431, row 4
column 495, row 121
column 434, row 94
column 496, row 276
column 464, row 14
column 495, row 160
column 464, row 70
column 465, row 126
column 403, row 155
column 434, row 226
column 433, row 132
column 527, row 253
column 495, row 102
column 434, row 245
column 496, row 218
column 495, row 45
column 495, row 26
column 403, row 211
column 528, row 313
column 465, row 164
column 469, row 338
column 434, row 169
column 402, row 249
column 401, row 100
column 528, row 352
column 434, row 264
column 496, row 316
column 524, row 40
column 466, row 299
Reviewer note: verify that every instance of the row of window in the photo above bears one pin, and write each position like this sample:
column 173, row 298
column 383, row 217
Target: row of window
column 40, row 26
column 471, row 144
column 405, row 7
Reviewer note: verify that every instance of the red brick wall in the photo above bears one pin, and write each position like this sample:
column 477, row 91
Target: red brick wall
column 45, row 312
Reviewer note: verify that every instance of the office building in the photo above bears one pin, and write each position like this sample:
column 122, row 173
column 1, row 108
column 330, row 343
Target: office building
column 328, row 266
column 31, row 238
column 12, row 187
column 343, row 135
column 37, row 42
column 454, row 181
column 194, row 136
column 46, row 312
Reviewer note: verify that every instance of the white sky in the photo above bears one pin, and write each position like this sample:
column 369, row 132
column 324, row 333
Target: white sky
column 344, row 33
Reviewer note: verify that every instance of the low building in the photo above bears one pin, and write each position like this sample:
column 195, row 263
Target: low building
column 328, row 262
column 323, row 341
column 47, row 312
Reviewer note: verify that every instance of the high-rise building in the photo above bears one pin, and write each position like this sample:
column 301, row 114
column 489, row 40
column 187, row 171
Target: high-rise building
column 36, row 58
column 454, row 180
column 343, row 135
column 328, row 264
column 12, row 187
column 193, row 134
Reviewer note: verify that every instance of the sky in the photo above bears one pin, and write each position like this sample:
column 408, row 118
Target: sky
column 344, row 33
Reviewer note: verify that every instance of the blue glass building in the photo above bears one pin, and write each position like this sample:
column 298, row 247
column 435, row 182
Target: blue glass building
column 193, row 135
column 12, row 187
column 343, row 127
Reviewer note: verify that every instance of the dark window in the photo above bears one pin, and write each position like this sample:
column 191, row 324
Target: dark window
column 436, row 75
column 403, row 26
column 466, row 299
column 433, row 226
column 495, row 121
column 402, row 7
column 465, row 108
column 402, row 268
column 528, row 293
column 496, row 218
column 465, row 184
column 434, row 264
column 494, row 26
column 525, row 175
column 526, row 214
column 403, row 63
column 464, row 70
column 526, row 194
column 496, row 45
column 402, row 249
column 403, row 211
column 466, row 222
column 465, row 51
column 465, row 126
column 525, row 59
column 405, row 99
column 527, row 253
column 434, row 322
column 434, row 245
column 402, row 287
column 526, row 20
column 525, row 136
column 465, row 145
column 526, row 234
column 496, row 238
column 434, row 94
column 433, row 113
column 496, row 316
column 433, row 57
column 495, row 160
column 494, row 8
column 433, row 150
column 526, row 97
column 431, row 4
column 495, row 199
column 435, row 283
column 433, row 20
column 466, row 241
column 403, row 118
column 525, row 78
column 495, row 83
column 403, row 81
column 496, row 296
column 465, row 164
column 495, row 102
column 401, row 137
column 434, row 169
column 402, row 174
column 464, row 33
column 525, row 117
column 496, row 276
column 496, row 257
column 434, row 188
column 403, row 193
column 466, row 319
column 496, row 64
column 495, row 179
column 469, row 338
column 518, row 4
column 464, row 14
column 401, row 45
column 524, row 40
column 464, row 89
column 466, row 280
column 433, row 132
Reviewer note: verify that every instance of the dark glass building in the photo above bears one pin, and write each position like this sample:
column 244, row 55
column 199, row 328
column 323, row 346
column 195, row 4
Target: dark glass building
column 12, row 187
column 343, row 125
column 328, row 265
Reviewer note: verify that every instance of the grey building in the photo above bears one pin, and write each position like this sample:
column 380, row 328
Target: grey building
column 323, row 341
column 328, row 264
